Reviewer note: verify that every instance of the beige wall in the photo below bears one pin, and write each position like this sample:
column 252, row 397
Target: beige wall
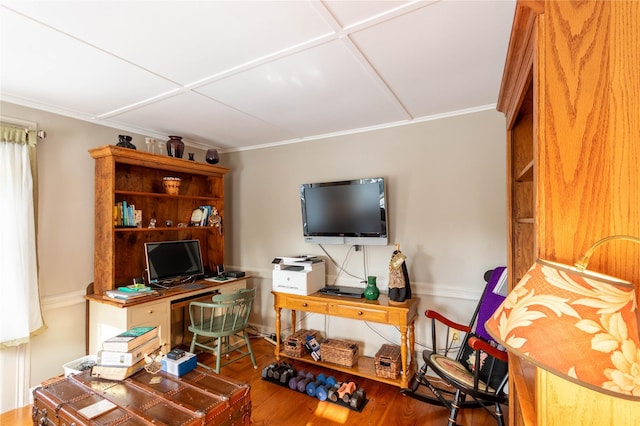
column 446, row 191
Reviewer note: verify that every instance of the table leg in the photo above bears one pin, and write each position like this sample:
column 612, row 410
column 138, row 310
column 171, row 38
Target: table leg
column 293, row 321
column 277, row 345
column 403, row 356
column 412, row 347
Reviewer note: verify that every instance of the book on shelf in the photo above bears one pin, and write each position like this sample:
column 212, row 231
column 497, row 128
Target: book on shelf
column 111, row 372
column 130, row 339
column 127, row 359
column 207, row 210
column 124, row 215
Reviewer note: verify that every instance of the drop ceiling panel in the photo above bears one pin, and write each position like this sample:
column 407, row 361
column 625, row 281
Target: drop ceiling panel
column 442, row 57
column 349, row 13
column 184, row 41
column 62, row 72
column 317, row 91
column 236, row 74
column 201, row 120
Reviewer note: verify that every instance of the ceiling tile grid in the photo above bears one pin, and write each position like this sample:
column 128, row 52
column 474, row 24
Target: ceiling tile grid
column 244, row 74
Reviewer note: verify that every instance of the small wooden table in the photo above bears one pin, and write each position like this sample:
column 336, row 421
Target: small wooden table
column 379, row 311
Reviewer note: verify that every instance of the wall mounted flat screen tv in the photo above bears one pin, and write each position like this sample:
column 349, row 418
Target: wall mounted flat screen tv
column 350, row 212
column 173, row 261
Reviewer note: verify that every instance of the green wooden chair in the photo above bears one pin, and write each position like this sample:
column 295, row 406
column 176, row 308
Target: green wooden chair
column 221, row 326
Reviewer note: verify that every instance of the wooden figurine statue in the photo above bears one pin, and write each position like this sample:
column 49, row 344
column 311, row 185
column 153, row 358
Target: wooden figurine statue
column 399, row 284
column 216, row 220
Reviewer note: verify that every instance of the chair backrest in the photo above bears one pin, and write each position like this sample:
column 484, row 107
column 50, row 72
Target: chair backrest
column 225, row 315
column 492, row 370
column 490, row 301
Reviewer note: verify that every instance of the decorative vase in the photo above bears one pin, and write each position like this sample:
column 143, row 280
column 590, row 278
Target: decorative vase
column 371, row 292
column 175, row 146
column 212, row 156
column 125, row 142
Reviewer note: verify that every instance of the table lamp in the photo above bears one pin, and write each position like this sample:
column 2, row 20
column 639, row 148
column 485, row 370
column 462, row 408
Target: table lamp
column 579, row 325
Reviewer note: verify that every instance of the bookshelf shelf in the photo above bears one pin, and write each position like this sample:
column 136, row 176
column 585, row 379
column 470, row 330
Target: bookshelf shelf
column 162, row 229
column 162, row 195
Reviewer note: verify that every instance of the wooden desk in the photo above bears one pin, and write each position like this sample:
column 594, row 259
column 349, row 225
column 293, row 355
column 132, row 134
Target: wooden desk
column 107, row 317
column 380, row 311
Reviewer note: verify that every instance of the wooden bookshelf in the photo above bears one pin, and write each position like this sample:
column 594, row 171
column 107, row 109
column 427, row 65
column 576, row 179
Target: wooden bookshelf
column 123, row 174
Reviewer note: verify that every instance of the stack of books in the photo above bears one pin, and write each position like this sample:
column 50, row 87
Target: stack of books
column 126, row 216
column 124, row 354
column 124, row 294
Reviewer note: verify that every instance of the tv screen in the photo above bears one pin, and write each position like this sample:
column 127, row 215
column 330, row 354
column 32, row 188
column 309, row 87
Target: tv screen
column 173, row 261
column 345, row 212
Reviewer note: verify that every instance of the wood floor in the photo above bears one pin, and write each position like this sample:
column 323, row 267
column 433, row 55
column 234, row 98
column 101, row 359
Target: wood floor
column 277, row 405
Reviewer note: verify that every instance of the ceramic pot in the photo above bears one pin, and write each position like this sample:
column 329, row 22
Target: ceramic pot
column 212, row 156
column 125, row 141
column 175, row 146
column 371, row 292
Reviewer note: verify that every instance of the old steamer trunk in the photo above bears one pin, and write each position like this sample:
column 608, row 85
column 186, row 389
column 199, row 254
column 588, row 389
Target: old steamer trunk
column 200, row 397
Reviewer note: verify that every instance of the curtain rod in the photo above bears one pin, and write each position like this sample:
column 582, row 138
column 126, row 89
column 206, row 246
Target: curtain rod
column 25, row 125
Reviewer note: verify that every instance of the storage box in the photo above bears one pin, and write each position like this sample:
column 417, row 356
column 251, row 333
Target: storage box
column 79, row 365
column 294, row 344
column 387, row 361
column 341, row 352
column 199, row 398
column 181, row 366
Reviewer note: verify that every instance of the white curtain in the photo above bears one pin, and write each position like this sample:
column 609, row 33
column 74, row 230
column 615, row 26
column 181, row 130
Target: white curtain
column 20, row 313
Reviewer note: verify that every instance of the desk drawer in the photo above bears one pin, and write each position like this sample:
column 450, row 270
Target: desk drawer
column 306, row 305
column 360, row 313
column 148, row 313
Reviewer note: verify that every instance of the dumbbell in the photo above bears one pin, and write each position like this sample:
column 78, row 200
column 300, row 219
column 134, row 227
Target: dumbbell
column 332, row 394
column 322, row 391
column 268, row 370
column 311, row 386
column 284, row 366
column 293, row 382
column 358, row 398
column 302, row 383
column 346, row 390
column 286, row 375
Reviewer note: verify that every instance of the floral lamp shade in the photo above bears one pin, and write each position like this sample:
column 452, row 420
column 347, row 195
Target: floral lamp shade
column 577, row 324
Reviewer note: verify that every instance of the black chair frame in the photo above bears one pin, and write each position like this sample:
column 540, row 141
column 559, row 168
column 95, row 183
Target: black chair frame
column 449, row 391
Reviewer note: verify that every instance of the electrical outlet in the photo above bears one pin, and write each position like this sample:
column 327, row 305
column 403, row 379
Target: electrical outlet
column 455, row 336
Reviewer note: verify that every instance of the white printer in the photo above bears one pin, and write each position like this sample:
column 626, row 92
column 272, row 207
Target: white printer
column 300, row 275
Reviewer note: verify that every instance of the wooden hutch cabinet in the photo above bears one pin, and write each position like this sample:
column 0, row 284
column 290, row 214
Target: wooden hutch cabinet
column 571, row 97
column 136, row 177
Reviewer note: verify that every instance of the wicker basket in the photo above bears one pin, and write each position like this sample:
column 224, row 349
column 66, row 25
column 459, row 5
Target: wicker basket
column 387, row 361
column 294, row 344
column 171, row 185
column 341, row 352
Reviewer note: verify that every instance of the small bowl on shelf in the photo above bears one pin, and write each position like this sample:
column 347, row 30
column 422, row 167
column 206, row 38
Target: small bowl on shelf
column 171, row 185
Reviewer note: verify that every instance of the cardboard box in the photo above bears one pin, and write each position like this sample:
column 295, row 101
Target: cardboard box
column 179, row 367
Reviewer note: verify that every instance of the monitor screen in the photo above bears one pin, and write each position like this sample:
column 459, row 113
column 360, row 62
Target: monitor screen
column 171, row 261
column 345, row 212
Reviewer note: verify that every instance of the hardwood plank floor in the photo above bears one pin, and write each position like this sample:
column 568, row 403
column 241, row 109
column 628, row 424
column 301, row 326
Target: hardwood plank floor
column 277, row 405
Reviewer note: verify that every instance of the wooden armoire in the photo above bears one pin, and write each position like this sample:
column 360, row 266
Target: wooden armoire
column 571, row 96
